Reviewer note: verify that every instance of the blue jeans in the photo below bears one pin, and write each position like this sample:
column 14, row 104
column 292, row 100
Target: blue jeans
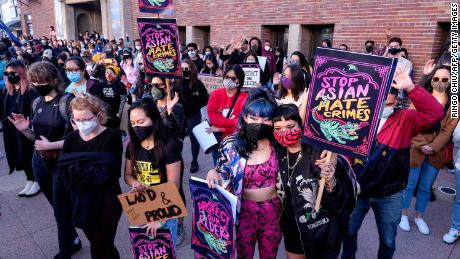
column 421, row 177
column 387, row 212
column 456, row 206
column 172, row 225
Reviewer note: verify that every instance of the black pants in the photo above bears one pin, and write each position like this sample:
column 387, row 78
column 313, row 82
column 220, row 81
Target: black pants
column 102, row 236
column 29, row 172
column 192, row 121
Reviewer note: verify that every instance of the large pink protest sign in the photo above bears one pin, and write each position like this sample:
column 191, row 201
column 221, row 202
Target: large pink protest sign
column 346, row 97
column 165, row 7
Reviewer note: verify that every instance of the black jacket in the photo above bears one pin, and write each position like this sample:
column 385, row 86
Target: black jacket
column 193, row 96
column 326, row 229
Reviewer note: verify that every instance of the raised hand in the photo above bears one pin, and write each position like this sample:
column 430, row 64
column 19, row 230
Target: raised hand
column 19, row 121
column 171, row 103
column 402, row 81
column 429, row 66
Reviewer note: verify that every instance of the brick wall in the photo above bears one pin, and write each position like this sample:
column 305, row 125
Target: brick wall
column 415, row 21
column 42, row 12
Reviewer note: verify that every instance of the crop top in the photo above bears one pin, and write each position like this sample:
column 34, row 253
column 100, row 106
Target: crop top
column 261, row 175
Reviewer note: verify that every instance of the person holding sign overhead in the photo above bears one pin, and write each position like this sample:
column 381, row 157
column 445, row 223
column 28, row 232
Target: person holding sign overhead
column 248, row 160
column 307, row 232
column 153, row 156
column 383, row 177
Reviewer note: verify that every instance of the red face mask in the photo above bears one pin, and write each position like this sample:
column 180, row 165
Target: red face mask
column 288, row 138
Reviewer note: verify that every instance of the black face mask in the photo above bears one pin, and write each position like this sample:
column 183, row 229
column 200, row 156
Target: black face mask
column 43, row 90
column 143, row 132
column 259, row 130
column 186, row 73
column 369, row 49
column 254, row 48
column 394, row 51
column 14, row 79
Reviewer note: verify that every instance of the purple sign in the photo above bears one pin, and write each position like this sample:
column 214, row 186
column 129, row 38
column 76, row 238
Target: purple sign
column 346, row 96
column 146, row 247
column 165, row 7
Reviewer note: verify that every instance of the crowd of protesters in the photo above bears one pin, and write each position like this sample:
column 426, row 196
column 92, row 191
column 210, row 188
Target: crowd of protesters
column 62, row 104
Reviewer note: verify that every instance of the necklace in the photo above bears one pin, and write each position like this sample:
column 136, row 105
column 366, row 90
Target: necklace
column 299, row 156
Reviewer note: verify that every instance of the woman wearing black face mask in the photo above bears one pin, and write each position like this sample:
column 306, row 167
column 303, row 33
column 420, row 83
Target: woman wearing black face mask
column 47, row 126
column 153, row 156
column 17, row 98
column 247, row 159
column 193, row 96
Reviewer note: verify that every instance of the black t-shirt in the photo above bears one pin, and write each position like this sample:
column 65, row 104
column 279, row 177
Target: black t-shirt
column 199, row 63
column 111, row 94
column 149, row 171
column 47, row 120
column 107, row 141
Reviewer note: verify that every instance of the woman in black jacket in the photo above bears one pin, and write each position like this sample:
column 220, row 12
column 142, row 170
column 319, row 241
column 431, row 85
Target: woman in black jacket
column 314, row 234
column 193, row 96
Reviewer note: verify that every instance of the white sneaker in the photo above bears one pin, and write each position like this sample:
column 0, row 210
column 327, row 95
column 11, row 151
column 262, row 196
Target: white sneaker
column 452, row 236
column 23, row 192
column 404, row 223
column 422, row 226
column 34, row 190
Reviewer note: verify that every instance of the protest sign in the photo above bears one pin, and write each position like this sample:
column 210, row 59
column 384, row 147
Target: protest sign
column 164, row 7
column 213, row 220
column 251, row 75
column 211, row 82
column 347, row 94
column 159, row 202
column 146, row 247
column 160, row 47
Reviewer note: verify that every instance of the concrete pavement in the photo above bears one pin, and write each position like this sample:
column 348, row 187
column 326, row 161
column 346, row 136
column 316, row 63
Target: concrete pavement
column 28, row 230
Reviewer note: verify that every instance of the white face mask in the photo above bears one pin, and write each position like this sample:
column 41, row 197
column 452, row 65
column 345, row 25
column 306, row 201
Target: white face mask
column 191, row 54
column 207, row 53
column 267, row 48
column 387, row 111
column 86, row 127
column 138, row 47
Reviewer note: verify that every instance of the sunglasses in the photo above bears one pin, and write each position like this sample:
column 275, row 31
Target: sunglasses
column 157, row 85
column 10, row 73
column 437, row 79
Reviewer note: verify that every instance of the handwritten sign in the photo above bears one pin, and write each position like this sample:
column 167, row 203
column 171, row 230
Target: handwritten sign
column 212, row 221
column 145, row 247
column 347, row 95
column 251, row 75
column 211, row 82
column 165, row 7
column 160, row 47
column 159, row 202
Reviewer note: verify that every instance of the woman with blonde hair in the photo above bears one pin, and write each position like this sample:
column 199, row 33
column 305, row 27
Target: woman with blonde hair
column 87, row 176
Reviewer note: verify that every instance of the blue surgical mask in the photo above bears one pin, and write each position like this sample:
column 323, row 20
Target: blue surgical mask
column 74, row 76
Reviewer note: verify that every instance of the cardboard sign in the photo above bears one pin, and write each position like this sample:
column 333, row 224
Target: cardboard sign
column 211, row 82
column 145, row 247
column 159, row 202
column 160, row 47
column 212, row 220
column 347, row 94
column 251, row 75
column 165, row 7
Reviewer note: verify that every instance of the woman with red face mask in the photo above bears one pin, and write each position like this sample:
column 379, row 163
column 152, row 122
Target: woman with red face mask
column 308, row 233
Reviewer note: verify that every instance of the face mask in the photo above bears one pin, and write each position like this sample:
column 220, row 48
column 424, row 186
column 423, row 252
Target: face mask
column 440, row 86
column 287, row 138
column 230, row 84
column 369, row 49
column 119, row 48
column 91, row 50
column 110, row 78
column 143, row 132
column 29, row 51
column 44, row 42
column 138, row 47
column 277, row 54
column 267, row 48
column 14, row 79
column 86, row 127
column 191, row 54
column 254, row 48
column 394, row 51
column 74, row 76
column 387, row 111
column 43, row 90
column 295, row 62
column 158, row 93
column 210, row 66
column 286, row 82
column 259, row 131
column 186, row 74
column 207, row 53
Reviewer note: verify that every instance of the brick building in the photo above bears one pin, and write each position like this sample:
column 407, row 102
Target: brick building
column 294, row 25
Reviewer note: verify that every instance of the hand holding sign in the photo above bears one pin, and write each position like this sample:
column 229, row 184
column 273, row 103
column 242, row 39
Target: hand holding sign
column 327, row 163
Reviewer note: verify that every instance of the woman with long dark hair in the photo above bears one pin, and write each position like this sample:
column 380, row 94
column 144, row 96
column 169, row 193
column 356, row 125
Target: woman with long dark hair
column 298, row 58
column 248, row 160
column 427, row 154
column 153, row 155
column 17, row 98
column 292, row 86
column 48, row 126
column 301, row 166
column 75, row 70
column 251, row 58
column 211, row 66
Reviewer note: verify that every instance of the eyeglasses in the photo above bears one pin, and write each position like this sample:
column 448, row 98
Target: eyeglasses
column 231, row 78
column 157, row 85
column 10, row 73
column 72, row 70
column 437, row 79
